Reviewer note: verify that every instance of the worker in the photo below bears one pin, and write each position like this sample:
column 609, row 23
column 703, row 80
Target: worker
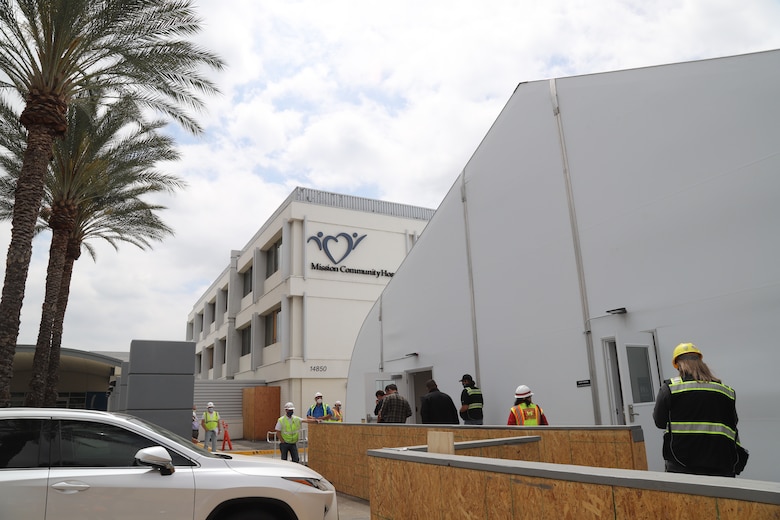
column 699, row 415
column 337, row 415
column 525, row 412
column 288, row 429
column 319, row 411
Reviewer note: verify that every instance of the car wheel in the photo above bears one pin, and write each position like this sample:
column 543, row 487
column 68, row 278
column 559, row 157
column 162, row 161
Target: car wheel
column 253, row 514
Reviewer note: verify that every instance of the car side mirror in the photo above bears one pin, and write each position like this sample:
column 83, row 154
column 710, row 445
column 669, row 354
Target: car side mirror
column 156, row 457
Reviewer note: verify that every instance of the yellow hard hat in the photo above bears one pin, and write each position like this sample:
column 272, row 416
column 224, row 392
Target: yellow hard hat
column 684, row 348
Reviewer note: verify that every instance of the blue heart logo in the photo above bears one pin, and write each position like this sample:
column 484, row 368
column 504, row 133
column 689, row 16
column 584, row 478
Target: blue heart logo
column 326, row 245
column 334, row 247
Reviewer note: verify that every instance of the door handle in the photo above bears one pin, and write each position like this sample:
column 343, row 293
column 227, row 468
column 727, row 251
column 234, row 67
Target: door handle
column 631, row 412
column 70, row 487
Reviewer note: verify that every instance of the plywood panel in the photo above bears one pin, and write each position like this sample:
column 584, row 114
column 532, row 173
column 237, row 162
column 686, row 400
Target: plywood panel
column 642, row 504
column 260, row 407
column 739, row 510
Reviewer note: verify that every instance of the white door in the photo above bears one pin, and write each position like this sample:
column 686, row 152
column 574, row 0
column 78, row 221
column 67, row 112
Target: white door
column 636, row 366
column 374, row 381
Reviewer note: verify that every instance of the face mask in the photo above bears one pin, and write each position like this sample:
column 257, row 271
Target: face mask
column 319, row 400
column 289, row 413
column 211, row 410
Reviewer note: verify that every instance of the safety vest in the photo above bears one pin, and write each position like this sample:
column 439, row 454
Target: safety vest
column 211, row 420
column 702, row 430
column 337, row 417
column 527, row 415
column 290, row 428
column 324, row 410
column 475, row 404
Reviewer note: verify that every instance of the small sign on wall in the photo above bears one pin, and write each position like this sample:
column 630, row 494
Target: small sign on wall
column 583, row 382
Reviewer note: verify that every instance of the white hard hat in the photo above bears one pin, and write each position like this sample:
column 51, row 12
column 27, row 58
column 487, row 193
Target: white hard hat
column 289, row 406
column 210, row 405
column 522, row 391
column 337, row 403
column 318, row 394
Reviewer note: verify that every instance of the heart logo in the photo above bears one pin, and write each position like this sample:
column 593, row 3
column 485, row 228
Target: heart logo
column 337, row 247
column 345, row 248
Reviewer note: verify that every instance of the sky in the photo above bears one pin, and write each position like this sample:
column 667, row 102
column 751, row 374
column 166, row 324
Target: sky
column 385, row 100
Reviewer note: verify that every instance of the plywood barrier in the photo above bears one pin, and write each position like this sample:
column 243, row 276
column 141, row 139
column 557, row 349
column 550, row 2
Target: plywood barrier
column 412, row 484
column 339, row 450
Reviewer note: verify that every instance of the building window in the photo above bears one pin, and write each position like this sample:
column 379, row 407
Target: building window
column 272, row 258
column 247, row 279
column 209, row 358
column 224, row 301
column 212, row 311
column 272, row 327
column 246, row 340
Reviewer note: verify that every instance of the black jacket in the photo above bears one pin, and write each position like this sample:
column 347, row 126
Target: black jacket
column 438, row 408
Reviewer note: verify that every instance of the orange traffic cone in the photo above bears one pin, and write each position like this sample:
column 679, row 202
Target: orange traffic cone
column 226, row 437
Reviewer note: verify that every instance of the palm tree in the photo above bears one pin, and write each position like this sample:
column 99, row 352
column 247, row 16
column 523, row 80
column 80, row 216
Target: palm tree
column 105, row 163
column 132, row 222
column 50, row 51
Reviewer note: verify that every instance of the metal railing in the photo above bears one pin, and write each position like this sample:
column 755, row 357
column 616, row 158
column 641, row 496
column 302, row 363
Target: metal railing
column 303, row 444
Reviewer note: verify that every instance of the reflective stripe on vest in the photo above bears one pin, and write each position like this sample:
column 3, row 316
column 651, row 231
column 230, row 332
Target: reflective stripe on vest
column 324, row 409
column 526, row 415
column 290, row 428
column 211, row 418
column 472, row 392
column 678, row 386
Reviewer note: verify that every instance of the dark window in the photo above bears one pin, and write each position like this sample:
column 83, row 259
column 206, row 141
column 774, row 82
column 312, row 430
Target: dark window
column 20, row 443
column 246, row 340
column 272, row 327
column 272, row 258
column 247, row 276
column 86, row 444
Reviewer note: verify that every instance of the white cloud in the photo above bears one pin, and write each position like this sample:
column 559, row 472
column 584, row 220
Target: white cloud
column 379, row 99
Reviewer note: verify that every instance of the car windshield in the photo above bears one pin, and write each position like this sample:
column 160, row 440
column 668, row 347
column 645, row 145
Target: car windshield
column 178, row 439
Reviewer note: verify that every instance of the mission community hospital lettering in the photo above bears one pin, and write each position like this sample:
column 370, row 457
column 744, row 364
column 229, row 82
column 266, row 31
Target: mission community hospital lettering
column 337, row 248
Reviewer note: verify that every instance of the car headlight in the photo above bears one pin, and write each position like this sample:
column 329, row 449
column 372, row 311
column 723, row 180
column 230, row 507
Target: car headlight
column 313, row 482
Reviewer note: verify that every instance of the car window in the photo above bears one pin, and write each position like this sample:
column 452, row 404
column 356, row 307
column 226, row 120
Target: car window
column 20, row 443
column 93, row 444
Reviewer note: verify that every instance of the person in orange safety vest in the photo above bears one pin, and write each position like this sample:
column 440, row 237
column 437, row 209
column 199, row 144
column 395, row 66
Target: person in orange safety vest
column 525, row 412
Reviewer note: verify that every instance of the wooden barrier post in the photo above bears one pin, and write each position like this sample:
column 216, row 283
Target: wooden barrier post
column 441, row 442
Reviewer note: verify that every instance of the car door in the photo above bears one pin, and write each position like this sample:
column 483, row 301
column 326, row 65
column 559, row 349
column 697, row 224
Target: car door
column 23, row 468
column 94, row 475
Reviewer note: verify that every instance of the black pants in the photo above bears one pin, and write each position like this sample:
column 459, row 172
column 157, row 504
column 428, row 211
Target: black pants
column 292, row 449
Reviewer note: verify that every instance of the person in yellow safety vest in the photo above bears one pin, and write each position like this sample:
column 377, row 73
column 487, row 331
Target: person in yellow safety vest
column 699, row 414
column 287, row 428
column 525, row 412
column 210, row 423
column 319, row 411
column 337, row 414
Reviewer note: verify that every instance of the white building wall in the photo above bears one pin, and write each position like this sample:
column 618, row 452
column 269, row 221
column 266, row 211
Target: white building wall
column 651, row 189
column 322, row 305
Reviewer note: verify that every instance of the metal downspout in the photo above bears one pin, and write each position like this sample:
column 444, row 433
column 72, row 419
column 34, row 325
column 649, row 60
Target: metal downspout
column 575, row 234
column 470, row 269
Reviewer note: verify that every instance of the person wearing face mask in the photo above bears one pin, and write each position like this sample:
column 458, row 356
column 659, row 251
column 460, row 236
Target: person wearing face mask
column 210, row 423
column 319, row 411
column 287, row 429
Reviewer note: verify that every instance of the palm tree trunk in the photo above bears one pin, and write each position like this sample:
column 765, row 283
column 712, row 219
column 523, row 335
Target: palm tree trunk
column 57, row 249
column 53, row 377
column 29, row 193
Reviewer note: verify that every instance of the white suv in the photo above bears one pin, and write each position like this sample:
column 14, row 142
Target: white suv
column 59, row 464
